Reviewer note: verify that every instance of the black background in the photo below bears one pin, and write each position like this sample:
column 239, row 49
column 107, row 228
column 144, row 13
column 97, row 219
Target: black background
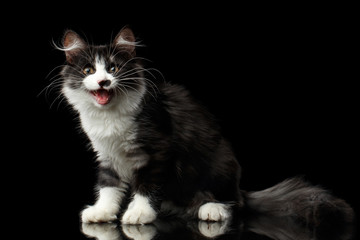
column 280, row 82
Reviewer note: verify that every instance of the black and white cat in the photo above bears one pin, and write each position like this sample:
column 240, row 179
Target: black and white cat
column 155, row 143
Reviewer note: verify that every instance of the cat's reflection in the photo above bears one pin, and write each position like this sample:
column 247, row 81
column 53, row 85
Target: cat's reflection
column 102, row 231
column 261, row 226
column 159, row 230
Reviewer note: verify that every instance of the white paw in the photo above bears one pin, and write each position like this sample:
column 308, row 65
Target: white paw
column 139, row 232
column 139, row 211
column 213, row 229
column 214, row 212
column 141, row 215
column 93, row 214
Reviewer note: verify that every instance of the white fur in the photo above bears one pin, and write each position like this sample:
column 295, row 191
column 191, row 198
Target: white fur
column 214, row 212
column 77, row 44
column 139, row 211
column 106, row 207
column 112, row 131
column 122, row 41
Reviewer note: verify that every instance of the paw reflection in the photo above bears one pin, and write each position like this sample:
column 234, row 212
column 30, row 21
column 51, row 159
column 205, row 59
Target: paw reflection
column 139, row 232
column 213, row 229
column 112, row 231
column 101, row 231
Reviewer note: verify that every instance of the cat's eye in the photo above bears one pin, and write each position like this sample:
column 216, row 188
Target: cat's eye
column 113, row 69
column 88, row 70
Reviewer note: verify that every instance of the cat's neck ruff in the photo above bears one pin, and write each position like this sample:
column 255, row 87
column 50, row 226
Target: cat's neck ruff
column 105, row 121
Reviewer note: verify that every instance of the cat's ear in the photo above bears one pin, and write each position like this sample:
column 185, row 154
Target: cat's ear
column 72, row 45
column 125, row 40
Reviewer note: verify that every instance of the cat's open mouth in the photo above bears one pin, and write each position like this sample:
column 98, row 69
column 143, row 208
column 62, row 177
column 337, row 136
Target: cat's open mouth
column 102, row 96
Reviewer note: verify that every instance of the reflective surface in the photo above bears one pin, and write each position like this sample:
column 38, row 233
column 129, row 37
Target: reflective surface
column 259, row 228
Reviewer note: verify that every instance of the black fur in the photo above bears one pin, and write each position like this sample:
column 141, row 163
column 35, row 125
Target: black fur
column 188, row 154
column 107, row 177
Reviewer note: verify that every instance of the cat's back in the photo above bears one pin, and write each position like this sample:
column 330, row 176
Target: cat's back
column 180, row 103
column 173, row 103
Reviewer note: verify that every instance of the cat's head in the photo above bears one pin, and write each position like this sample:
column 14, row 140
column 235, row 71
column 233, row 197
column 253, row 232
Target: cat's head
column 102, row 76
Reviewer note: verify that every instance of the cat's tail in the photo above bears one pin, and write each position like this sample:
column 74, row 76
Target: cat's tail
column 298, row 199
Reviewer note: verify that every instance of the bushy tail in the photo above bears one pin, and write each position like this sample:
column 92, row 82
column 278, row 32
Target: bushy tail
column 299, row 201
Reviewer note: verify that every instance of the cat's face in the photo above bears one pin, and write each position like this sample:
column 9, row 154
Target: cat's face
column 102, row 76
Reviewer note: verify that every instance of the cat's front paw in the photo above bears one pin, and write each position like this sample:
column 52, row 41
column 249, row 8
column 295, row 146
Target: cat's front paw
column 93, row 214
column 141, row 215
column 139, row 212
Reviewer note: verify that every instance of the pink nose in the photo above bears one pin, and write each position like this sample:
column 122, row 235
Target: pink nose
column 104, row 83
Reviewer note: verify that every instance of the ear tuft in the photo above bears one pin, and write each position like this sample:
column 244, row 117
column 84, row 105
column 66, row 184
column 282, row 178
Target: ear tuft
column 72, row 45
column 125, row 40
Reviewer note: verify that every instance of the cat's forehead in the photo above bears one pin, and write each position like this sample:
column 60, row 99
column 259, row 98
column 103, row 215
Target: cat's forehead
column 101, row 53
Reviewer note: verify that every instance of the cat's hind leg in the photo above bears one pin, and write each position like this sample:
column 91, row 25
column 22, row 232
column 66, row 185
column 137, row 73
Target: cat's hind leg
column 213, row 211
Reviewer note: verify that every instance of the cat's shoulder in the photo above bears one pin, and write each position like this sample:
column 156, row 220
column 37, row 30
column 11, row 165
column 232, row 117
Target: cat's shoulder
column 174, row 89
column 173, row 93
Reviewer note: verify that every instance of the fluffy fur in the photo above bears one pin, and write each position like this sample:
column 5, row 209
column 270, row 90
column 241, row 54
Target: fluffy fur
column 156, row 143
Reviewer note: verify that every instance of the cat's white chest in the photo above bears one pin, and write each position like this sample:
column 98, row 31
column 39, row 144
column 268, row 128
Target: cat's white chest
column 108, row 126
column 113, row 137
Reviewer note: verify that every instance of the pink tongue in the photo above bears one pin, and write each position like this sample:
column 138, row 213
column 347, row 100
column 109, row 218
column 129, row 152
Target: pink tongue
column 102, row 96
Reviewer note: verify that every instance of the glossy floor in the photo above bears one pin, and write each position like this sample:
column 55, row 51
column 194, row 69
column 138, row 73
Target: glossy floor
column 254, row 228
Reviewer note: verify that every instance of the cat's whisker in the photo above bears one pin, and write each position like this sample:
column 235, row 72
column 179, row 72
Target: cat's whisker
column 128, row 86
column 122, row 67
column 127, row 76
column 54, row 87
column 55, row 68
column 123, row 91
column 56, row 81
column 141, row 69
column 150, row 83
column 136, row 90
column 59, row 102
column 56, row 84
column 60, row 96
column 133, row 70
column 50, row 86
column 132, row 59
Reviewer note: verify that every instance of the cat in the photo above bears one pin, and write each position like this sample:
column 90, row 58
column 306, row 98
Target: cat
column 159, row 151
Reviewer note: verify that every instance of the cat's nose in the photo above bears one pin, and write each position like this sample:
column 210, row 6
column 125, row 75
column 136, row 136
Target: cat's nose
column 104, row 83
